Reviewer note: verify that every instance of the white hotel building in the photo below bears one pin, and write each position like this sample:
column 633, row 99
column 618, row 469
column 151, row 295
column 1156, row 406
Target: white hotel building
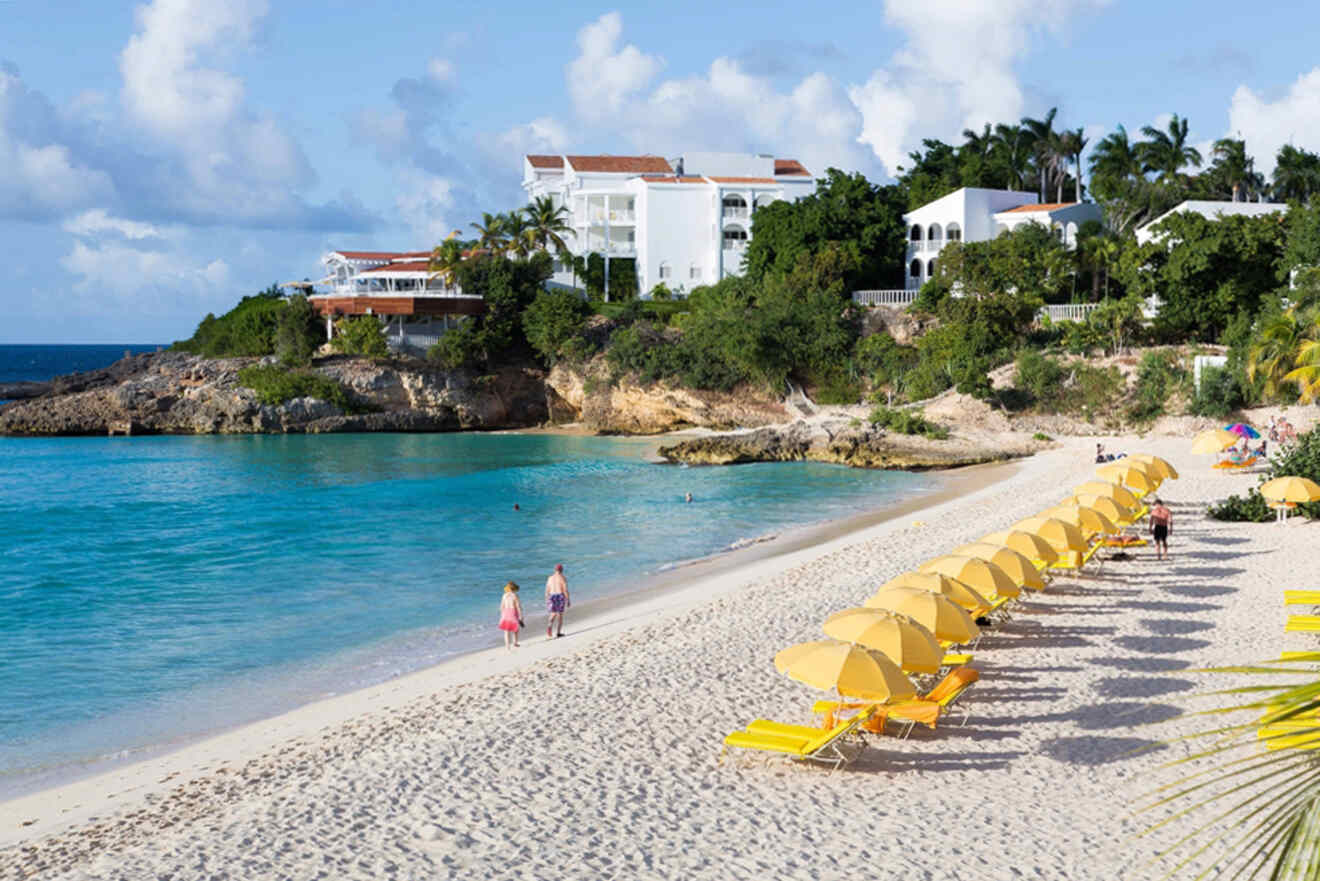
column 972, row 214
column 685, row 221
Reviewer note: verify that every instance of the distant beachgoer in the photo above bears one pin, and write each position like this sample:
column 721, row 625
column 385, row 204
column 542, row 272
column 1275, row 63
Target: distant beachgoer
column 556, row 601
column 688, row 498
column 1161, row 524
column 515, row 507
column 511, row 616
column 1099, row 453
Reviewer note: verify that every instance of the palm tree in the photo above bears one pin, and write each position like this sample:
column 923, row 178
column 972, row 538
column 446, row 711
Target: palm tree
column 1071, row 144
column 518, row 234
column 490, row 232
column 1236, row 168
column 1115, row 156
column 1012, row 147
column 1044, row 145
column 978, row 144
column 1306, row 370
column 548, row 223
column 1273, row 353
column 1296, row 174
column 446, row 258
column 1167, row 152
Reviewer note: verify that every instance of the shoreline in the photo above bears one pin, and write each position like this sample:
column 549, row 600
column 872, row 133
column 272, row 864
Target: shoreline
column 75, row 786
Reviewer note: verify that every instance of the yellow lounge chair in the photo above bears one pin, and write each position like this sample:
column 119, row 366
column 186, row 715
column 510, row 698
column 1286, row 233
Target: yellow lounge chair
column 1301, row 597
column 799, row 742
column 952, row 659
column 927, row 710
column 1302, row 624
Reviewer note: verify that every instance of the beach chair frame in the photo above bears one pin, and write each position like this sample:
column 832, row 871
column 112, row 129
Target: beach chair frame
column 829, row 752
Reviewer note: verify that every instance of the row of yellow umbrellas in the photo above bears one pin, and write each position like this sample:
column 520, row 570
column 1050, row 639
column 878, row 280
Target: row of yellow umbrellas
column 901, row 627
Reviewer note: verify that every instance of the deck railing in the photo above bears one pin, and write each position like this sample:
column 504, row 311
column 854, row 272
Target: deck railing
column 1069, row 311
column 890, row 297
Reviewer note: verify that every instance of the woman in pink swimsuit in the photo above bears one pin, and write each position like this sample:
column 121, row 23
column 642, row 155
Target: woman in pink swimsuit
column 511, row 616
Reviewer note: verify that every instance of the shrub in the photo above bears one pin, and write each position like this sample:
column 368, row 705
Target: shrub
column 360, row 335
column 552, row 319
column 1221, row 392
column 297, row 332
column 1041, row 436
column 837, row 387
column 907, row 422
column 1038, row 376
column 247, row 330
column 276, row 385
column 1159, row 375
column 1250, row 508
column 459, row 347
column 884, row 360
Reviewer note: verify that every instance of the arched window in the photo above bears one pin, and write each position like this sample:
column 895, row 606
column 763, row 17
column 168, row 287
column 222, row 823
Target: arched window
column 916, row 235
column 953, row 232
column 665, row 270
column 694, row 272
column 765, row 199
column 735, row 205
column 1070, row 234
column 1058, row 232
column 914, row 271
column 935, row 234
column 930, row 269
column 735, row 237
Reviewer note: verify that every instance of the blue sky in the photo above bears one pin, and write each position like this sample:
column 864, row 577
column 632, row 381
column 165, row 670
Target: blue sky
column 158, row 161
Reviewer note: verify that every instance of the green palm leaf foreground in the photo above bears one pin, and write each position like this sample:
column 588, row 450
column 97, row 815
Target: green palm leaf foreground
column 1254, row 784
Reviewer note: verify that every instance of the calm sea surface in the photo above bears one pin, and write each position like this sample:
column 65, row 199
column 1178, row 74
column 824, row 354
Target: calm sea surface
column 153, row 589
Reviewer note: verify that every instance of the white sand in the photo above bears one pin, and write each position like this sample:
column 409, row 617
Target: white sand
column 595, row 755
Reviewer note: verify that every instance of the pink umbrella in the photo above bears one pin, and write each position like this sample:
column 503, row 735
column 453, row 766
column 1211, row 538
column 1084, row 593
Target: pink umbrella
column 1242, row 430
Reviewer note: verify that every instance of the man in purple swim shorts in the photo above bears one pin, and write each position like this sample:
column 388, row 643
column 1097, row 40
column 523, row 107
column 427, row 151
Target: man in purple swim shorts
column 556, row 601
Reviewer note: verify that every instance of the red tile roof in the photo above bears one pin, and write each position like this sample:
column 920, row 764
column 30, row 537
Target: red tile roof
column 403, row 266
column 369, row 255
column 744, row 180
column 538, row 161
column 621, row 164
column 1048, row 206
column 790, row 167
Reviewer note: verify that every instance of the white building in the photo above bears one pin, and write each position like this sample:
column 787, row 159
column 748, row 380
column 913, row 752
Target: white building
column 972, row 214
column 685, row 221
column 1211, row 210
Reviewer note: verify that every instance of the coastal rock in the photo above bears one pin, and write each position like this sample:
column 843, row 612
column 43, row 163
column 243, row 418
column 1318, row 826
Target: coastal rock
column 859, row 446
column 902, row 325
column 178, row 393
column 586, row 395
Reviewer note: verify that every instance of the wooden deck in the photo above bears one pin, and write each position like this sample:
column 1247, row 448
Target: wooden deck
column 399, row 305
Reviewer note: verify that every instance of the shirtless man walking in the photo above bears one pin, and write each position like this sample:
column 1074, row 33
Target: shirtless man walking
column 1161, row 524
column 556, row 601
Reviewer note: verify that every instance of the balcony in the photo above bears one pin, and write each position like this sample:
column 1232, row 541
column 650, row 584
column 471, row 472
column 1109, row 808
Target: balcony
column 732, row 213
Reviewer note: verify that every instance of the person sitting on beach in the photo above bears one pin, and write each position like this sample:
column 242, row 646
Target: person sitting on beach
column 1161, row 524
column 511, row 616
column 556, row 601
column 1099, row 453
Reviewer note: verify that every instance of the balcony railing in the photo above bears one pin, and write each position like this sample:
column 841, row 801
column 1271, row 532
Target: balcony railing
column 736, row 212
column 596, row 217
column 1069, row 311
column 916, row 247
column 432, row 289
column 887, row 297
column 618, row 249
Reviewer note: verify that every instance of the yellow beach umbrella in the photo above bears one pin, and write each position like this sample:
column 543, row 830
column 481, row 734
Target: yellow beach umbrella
column 982, row 575
column 937, row 614
column 1134, row 475
column 1025, row 543
column 905, row 642
column 1088, row 520
column 1163, row 468
column 1118, row 493
column 1120, row 514
column 1018, row 566
column 954, row 590
column 1216, row 440
column 852, row 671
column 1290, row 489
column 1061, row 535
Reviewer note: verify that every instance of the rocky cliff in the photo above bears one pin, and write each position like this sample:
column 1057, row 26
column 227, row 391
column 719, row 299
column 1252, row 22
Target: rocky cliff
column 861, row 446
column 176, row 393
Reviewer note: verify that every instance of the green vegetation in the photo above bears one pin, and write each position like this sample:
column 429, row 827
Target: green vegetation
column 262, row 324
column 1301, row 459
column 360, row 335
column 1159, row 376
column 277, row 385
column 907, row 422
column 1041, row 436
column 1075, row 387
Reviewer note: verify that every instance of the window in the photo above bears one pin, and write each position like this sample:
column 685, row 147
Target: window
column 914, row 271
column 934, row 233
column 916, row 233
column 694, row 272
column 665, row 271
column 930, row 269
column 953, row 232
column 735, row 237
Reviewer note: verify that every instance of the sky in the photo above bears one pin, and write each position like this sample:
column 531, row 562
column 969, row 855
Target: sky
column 159, row 161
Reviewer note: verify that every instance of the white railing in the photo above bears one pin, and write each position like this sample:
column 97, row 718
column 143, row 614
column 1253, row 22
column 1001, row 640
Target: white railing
column 623, row 249
column 889, row 297
column 431, row 290
column 597, row 217
column 1069, row 311
column 731, row 211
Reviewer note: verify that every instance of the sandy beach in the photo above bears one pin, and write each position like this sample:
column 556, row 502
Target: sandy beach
column 596, row 756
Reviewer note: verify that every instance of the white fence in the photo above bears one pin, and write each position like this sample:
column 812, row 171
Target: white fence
column 892, row 297
column 1069, row 311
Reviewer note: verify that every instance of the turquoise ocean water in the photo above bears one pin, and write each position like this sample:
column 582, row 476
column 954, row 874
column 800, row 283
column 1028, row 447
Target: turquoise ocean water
column 154, row 589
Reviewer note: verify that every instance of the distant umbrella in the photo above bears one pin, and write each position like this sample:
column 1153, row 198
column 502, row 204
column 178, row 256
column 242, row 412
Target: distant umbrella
column 1241, row 429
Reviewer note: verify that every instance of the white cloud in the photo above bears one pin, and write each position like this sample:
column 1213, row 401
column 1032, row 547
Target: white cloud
column 124, row 271
column 603, row 76
column 96, row 222
column 1267, row 125
column 426, row 203
column 956, row 69
column 440, row 70
column 541, row 135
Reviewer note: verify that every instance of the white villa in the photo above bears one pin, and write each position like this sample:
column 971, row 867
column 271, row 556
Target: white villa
column 972, row 214
column 1211, row 210
column 399, row 287
column 686, row 221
